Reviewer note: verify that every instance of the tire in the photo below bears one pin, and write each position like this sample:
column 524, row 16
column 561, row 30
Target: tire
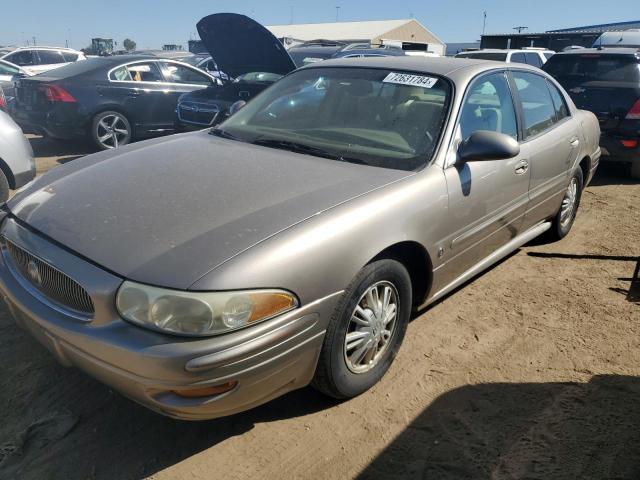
column 563, row 221
column 635, row 169
column 110, row 129
column 4, row 187
column 339, row 374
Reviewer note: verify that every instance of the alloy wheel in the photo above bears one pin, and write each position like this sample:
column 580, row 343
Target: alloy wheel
column 112, row 131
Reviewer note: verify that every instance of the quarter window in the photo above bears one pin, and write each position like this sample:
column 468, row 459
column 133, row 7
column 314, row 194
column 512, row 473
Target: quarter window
column 176, row 73
column 537, row 105
column 69, row 56
column 489, row 106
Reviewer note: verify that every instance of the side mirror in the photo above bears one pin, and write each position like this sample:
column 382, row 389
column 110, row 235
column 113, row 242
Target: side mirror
column 236, row 106
column 487, row 145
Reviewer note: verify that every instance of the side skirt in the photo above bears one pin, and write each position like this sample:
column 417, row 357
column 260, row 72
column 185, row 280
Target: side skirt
column 495, row 257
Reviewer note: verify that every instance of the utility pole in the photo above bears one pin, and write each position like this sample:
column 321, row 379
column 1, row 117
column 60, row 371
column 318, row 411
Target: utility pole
column 520, row 29
column 34, row 41
column 337, row 14
column 484, row 23
column 291, row 19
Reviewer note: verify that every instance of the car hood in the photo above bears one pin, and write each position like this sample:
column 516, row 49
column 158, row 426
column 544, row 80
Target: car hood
column 241, row 45
column 166, row 212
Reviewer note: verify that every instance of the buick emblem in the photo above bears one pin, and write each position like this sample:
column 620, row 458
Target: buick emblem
column 33, row 272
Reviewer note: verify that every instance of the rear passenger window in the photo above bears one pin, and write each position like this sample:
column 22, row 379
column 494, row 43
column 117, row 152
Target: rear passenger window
column 518, row 58
column 145, row 72
column 533, row 59
column 489, row 106
column 50, row 57
column 537, row 105
column 559, row 104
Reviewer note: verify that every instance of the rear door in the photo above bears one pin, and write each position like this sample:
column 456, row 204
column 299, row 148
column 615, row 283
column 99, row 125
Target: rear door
column 551, row 142
column 23, row 58
column 139, row 88
column 487, row 199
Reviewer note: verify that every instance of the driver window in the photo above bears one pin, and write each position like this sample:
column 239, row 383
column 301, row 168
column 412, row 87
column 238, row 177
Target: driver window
column 489, row 106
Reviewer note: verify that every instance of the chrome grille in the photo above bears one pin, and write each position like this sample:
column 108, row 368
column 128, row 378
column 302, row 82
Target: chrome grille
column 197, row 114
column 49, row 281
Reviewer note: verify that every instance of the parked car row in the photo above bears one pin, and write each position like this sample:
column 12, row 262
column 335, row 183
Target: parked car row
column 36, row 60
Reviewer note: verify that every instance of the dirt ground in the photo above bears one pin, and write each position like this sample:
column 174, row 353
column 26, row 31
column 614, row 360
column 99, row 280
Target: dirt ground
column 532, row 370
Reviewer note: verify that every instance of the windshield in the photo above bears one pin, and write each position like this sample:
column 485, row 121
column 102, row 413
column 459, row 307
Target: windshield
column 368, row 116
column 496, row 56
column 572, row 69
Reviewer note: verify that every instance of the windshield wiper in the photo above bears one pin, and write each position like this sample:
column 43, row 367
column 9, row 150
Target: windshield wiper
column 218, row 132
column 294, row 147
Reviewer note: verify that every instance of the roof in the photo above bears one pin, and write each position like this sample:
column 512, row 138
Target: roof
column 46, row 47
column 603, row 27
column 365, row 30
column 601, row 51
column 444, row 66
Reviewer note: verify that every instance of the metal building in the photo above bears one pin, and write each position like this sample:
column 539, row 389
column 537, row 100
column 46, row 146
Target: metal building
column 409, row 33
column 556, row 39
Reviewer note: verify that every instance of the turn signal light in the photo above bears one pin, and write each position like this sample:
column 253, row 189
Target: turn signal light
column 56, row 93
column 630, row 143
column 206, row 391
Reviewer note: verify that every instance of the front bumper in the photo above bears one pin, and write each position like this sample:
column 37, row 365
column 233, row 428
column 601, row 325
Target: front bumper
column 266, row 360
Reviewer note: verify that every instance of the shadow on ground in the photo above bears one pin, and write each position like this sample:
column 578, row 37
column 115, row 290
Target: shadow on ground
column 59, row 423
column 67, row 150
column 613, row 173
column 521, row 431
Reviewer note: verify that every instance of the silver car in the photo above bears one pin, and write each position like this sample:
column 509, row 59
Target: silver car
column 17, row 167
column 206, row 273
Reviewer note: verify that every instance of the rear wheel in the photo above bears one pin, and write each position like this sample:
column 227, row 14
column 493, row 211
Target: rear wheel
column 635, row 169
column 110, row 130
column 366, row 331
column 565, row 217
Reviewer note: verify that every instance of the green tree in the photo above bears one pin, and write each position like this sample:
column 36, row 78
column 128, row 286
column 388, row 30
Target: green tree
column 129, row 45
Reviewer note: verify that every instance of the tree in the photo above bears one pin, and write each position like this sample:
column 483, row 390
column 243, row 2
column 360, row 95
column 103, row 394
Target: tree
column 129, row 45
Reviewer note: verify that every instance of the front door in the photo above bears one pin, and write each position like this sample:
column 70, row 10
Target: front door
column 487, row 199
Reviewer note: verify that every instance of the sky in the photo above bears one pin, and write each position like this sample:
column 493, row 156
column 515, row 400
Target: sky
column 154, row 23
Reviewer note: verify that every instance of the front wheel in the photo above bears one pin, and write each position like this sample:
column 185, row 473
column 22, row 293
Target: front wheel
column 366, row 331
column 565, row 217
column 110, row 130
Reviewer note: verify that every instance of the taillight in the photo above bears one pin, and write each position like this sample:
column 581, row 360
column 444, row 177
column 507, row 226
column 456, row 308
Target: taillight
column 3, row 101
column 629, row 143
column 634, row 113
column 55, row 93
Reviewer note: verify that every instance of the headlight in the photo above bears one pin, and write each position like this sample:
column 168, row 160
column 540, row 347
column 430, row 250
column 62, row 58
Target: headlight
column 199, row 313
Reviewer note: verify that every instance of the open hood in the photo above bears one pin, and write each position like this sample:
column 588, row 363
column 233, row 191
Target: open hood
column 241, row 45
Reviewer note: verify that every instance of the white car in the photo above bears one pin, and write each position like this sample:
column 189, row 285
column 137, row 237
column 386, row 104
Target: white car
column 42, row 59
column 17, row 166
column 530, row 56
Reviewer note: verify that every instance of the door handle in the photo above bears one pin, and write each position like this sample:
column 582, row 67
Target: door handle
column 522, row 167
column 574, row 142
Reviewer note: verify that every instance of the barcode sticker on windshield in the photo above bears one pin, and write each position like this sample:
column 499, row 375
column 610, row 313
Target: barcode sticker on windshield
column 407, row 79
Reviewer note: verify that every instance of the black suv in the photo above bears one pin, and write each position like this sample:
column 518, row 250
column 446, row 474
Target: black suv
column 606, row 82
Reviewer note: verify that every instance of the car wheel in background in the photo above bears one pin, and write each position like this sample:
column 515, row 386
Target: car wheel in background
column 635, row 169
column 4, row 188
column 565, row 217
column 366, row 330
column 110, row 130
